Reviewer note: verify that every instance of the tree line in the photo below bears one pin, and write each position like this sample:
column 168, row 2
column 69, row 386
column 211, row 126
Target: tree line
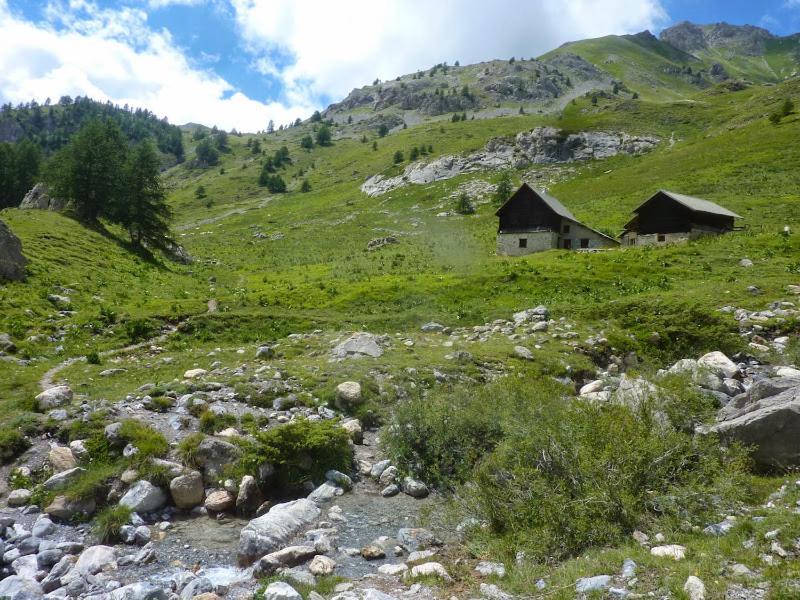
column 19, row 167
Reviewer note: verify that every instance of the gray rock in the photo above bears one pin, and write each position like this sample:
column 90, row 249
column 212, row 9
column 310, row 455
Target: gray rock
column 414, row 488
column 95, row 559
column 187, row 490
column 64, row 479
column 523, row 353
column 719, row 364
column 42, row 527
column 19, row 497
column 144, row 497
column 265, row 352
column 54, row 397
column 274, row 529
column 12, row 261
column 417, row 538
column 20, row 588
column 139, row 591
column 432, row 327
column 64, row 509
column 200, row 585
column 358, row 345
column 249, row 497
column 488, row 569
column 213, row 455
column 585, row 585
column 341, row 479
column 771, row 425
column 390, row 490
column 38, row 198
column 378, row 468
column 280, row 590
column 348, row 395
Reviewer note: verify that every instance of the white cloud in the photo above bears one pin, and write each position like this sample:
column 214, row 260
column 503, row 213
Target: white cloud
column 336, row 46
column 164, row 3
column 112, row 55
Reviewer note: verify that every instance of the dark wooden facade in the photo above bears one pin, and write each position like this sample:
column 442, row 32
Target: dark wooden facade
column 526, row 210
column 663, row 214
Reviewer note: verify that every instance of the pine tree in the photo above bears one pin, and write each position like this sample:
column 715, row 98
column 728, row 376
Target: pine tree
column 305, row 187
column 207, row 154
column 324, row 136
column 87, row 170
column 504, row 188
column 316, row 117
column 142, row 207
column 463, row 205
column 383, row 130
column 398, row 157
column 307, row 142
column 414, row 154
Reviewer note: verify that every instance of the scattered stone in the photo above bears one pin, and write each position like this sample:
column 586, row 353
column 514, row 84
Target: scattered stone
column 673, row 551
column 373, row 552
column 280, row 590
column 144, row 497
column 414, row 488
column 628, row 568
column 491, row 591
column 213, row 455
column 265, row 352
column 16, row 587
column 248, row 498
column 353, row 427
column 694, row 588
column 62, row 480
column 61, row 458
column 390, row 490
column 488, row 569
column 429, row 569
column 12, row 261
column 194, row 373
column 219, row 501
column 187, row 490
column 523, row 353
column 719, row 364
column 358, row 345
column 348, row 394
column 139, row 591
column 68, row 510
column 95, row 559
column 393, row 569
column 432, row 327
column 19, row 497
column 584, row 585
column 54, row 397
column 272, row 530
column 321, row 565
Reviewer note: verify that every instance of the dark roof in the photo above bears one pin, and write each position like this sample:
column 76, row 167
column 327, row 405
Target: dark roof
column 554, row 204
column 696, row 204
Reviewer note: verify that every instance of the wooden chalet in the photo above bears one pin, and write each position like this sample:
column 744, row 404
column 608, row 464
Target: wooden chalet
column 668, row 217
column 533, row 221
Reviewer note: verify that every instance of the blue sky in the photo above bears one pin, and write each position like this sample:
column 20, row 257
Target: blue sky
column 240, row 63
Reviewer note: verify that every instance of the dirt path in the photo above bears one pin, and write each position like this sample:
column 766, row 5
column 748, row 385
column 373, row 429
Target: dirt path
column 47, row 380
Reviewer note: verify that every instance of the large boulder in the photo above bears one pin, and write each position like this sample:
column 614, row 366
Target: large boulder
column 65, row 509
column 12, row 261
column 274, row 529
column 63, row 479
column 95, row 559
column 144, row 497
column 348, row 395
column 358, row 345
column 770, row 425
column 213, row 455
column 719, row 364
column 187, row 490
column 54, row 397
column 20, row 588
column 280, row 590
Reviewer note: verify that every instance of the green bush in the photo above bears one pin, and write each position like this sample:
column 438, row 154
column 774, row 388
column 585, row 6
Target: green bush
column 109, row 521
column 150, row 442
column 187, row 449
column 211, row 422
column 441, row 437
column 12, row 444
column 300, row 451
column 139, row 329
column 569, row 476
column 93, row 358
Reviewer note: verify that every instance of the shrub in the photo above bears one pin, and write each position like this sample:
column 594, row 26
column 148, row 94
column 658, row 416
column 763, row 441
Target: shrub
column 138, row 329
column 12, row 444
column 464, row 206
column 211, row 422
column 93, row 358
column 440, row 438
column 187, row 449
column 149, row 441
column 109, row 521
column 300, row 451
column 159, row 404
column 568, row 476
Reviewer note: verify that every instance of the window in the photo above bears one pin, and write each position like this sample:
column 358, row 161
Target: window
column 632, row 241
column 523, row 242
column 662, row 237
column 566, row 229
column 567, row 244
column 584, row 242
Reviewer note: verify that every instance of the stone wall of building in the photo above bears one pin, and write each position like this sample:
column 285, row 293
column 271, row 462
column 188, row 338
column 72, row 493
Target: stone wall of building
column 508, row 244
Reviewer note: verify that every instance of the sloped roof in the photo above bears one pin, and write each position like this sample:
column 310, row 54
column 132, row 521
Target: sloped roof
column 699, row 205
column 554, row 204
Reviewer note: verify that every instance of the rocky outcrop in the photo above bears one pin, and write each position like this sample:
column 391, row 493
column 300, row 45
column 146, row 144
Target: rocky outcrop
column 543, row 145
column 38, row 198
column 12, row 261
column 743, row 39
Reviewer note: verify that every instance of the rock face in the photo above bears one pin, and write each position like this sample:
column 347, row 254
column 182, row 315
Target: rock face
column 691, row 38
column 272, row 530
column 12, row 261
column 39, row 198
column 543, row 145
column 770, row 424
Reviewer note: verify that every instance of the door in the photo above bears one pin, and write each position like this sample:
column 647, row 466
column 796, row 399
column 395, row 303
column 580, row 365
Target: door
column 568, row 244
